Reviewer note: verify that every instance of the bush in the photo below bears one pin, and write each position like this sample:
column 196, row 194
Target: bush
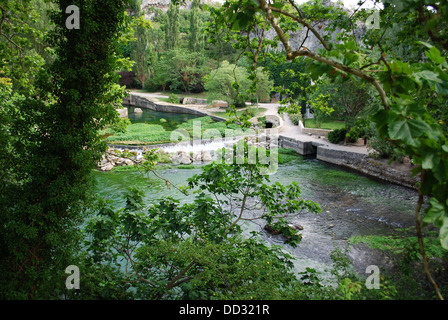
column 379, row 148
column 262, row 121
column 295, row 118
column 173, row 98
column 337, row 135
column 151, row 86
column 136, row 84
column 358, row 130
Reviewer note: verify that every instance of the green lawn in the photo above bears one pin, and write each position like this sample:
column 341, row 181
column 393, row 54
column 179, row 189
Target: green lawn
column 330, row 125
column 144, row 133
column 202, row 95
column 223, row 114
column 164, row 99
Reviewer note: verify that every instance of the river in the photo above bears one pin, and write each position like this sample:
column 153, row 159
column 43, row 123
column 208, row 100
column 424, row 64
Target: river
column 352, row 205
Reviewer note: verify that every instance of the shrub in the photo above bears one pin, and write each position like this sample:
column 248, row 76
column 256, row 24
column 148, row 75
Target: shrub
column 262, row 121
column 358, row 130
column 173, row 98
column 379, row 148
column 295, row 118
column 337, row 135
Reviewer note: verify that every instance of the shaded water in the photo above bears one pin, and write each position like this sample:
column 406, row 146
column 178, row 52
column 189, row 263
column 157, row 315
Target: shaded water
column 173, row 120
column 351, row 205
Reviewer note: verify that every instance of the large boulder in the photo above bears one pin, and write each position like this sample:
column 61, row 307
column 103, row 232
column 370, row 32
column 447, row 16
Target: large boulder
column 206, row 156
column 128, row 162
column 107, row 167
column 185, row 158
column 181, row 157
column 197, row 157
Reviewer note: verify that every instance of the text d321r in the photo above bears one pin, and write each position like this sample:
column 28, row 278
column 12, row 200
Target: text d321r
column 228, row 309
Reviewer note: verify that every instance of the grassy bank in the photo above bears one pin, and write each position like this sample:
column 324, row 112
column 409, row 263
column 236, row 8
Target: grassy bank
column 146, row 134
column 329, row 125
column 224, row 115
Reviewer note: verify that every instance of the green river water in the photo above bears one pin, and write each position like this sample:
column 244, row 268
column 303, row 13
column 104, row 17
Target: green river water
column 352, row 205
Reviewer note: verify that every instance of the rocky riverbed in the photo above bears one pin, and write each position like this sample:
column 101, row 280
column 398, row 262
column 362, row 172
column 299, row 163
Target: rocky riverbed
column 181, row 153
column 124, row 157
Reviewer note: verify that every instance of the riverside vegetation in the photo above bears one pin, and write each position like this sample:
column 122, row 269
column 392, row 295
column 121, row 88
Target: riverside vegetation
column 58, row 92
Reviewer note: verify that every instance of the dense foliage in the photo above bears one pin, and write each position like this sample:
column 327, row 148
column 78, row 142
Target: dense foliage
column 58, row 94
column 198, row 250
column 50, row 140
column 411, row 90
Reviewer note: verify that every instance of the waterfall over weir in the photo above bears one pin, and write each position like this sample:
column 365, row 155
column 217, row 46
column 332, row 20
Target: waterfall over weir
column 195, row 146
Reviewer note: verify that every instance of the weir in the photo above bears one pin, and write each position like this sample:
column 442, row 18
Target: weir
column 310, row 148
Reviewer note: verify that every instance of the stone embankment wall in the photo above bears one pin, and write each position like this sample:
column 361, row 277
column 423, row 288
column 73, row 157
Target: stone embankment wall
column 301, row 147
column 359, row 162
column 315, row 131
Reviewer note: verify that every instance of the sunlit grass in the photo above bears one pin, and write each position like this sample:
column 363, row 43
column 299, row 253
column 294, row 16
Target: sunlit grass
column 329, row 125
column 145, row 134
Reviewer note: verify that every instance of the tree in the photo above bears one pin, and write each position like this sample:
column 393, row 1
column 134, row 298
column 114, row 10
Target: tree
column 180, row 70
column 53, row 143
column 197, row 250
column 172, row 27
column 194, row 36
column 140, row 48
column 345, row 99
column 321, row 109
column 229, row 83
column 403, row 117
column 263, row 85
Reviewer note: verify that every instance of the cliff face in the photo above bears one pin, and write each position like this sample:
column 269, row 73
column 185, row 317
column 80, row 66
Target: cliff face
column 296, row 38
column 162, row 4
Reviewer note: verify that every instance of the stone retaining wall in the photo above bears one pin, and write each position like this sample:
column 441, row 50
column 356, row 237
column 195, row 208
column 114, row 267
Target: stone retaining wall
column 303, row 148
column 318, row 132
column 123, row 112
column 364, row 164
column 358, row 162
column 315, row 131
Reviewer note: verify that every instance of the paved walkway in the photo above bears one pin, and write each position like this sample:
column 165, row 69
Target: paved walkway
column 288, row 129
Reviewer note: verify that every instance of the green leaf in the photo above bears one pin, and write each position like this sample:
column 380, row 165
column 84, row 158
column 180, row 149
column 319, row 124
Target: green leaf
column 428, row 75
column 407, row 130
column 278, row 5
column 434, row 55
column 428, row 161
column 443, row 233
column 435, row 213
column 381, row 119
column 442, row 88
column 426, row 44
